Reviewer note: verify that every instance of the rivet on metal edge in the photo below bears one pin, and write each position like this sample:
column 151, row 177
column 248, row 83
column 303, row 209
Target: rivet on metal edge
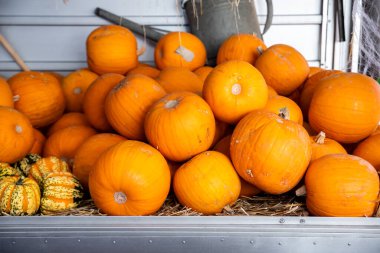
column 222, row 240
column 280, row 243
column 251, row 242
column 46, row 241
column 314, row 243
column 113, row 242
column 150, row 241
column 349, row 244
column 183, row 242
column 302, row 220
column 13, row 242
column 282, row 220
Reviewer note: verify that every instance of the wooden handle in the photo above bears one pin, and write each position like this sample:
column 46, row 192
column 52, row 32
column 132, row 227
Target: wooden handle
column 13, row 53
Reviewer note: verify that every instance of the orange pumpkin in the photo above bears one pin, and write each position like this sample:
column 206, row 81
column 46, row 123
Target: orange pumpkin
column 180, row 79
column 271, row 92
column 75, row 86
column 368, row 150
column 234, row 89
column 39, row 142
column 6, row 96
column 16, row 135
column 111, row 49
column 341, row 185
column 95, row 97
column 130, row 178
column 67, row 120
column 346, row 107
column 221, row 130
column 377, row 131
column 180, row 49
column 58, row 76
column 243, row 47
column 88, row 153
column 127, row 104
column 65, row 142
column 145, row 69
column 321, row 146
column 270, row 152
column 180, row 125
column 277, row 105
column 203, row 72
column 207, row 183
column 314, row 70
column 39, row 96
column 283, row 68
column 310, row 86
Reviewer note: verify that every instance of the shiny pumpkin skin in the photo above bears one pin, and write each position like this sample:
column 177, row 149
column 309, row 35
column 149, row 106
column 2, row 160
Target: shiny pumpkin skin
column 130, row 178
column 207, row 183
column 341, row 185
column 368, row 149
column 177, row 116
column 44, row 166
column 61, row 191
column 233, row 89
column 19, row 196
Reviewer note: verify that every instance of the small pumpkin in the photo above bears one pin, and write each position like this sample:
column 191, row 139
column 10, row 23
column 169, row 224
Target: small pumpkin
column 368, row 150
column 341, row 185
column 233, row 89
column 271, row 93
column 130, row 178
column 180, row 49
column 26, row 163
column 67, row 120
column 203, row 72
column 127, row 104
column 243, row 47
column 75, row 86
column 16, row 135
column 180, row 125
column 283, row 67
column 315, row 70
column 6, row 96
column 277, row 105
column 19, row 196
column 321, row 146
column 44, row 166
column 174, row 79
column 207, row 183
column 39, row 142
column 221, row 129
column 145, row 69
column 61, row 191
column 95, row 97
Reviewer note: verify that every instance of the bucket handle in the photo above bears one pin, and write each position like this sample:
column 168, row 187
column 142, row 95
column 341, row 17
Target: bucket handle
column 269, row 19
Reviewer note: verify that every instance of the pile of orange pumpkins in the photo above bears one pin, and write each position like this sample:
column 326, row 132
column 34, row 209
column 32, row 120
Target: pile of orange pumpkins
column 262, row 120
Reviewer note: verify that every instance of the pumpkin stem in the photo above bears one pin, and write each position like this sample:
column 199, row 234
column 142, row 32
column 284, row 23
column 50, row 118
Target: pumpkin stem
column 301, row 191
column 260, row 50
column 16, row 98
column 77, row 91
column 186, row 54
column 236, row 89
column 141, row 50
column 171, row 104
column 18, row 129
column 20, row 180
column 284, row 113
column 120, row 197
column 320, row 138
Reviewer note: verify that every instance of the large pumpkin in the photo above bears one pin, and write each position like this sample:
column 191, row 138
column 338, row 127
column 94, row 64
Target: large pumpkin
column 207, row 183
column 39, row 142
column 111, row 49
column 75, row 86
column 180, row 125
column 180, row 49
column 341, row 185
column 6, row 96
column 16, row 135
column 180, row 79
column 277, row 105
column 283, row 68
column 346, row 107
column 68, row 120
column 244, row 47
column 270, row 152
column 44, row 166
column 234, row 89
column 39, row 96
column 369, row 150
column 321, row 146
column 89, row 152
column 127, row 104
column 95, row 97
column 19, row 196
column 130, row 178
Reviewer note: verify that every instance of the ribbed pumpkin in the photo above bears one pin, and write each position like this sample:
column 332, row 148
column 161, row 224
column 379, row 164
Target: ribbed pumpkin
column 6, row 96
column 16, row 135
column 25, row 164
column 203, row 72
column 369, row 150
column 61, row 191
column 321, row 146
column 146, row 70
column 314, row 70
column 39, row 96
column 44, row 166
column 207, row 183
column 283, row 67
column 180, row 49
column 244, row 47
column 271, row 92
column 39, row 142
column 130, row 178
column 234, row 89
column 111, row 49
column 19, row 196
column 180, row 125
column 65, row 142
column 7, row 170
column 180, row 79
column 341, row 185
column 346, row 107
column 310, row 86
column 270, row 152
column 277, row 105
column 89, row 152
column 67, row 120
column 127, row 104
column 75, row 86
column 95, row 97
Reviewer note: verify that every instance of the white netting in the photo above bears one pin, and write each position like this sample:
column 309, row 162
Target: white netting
column 369, row 37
